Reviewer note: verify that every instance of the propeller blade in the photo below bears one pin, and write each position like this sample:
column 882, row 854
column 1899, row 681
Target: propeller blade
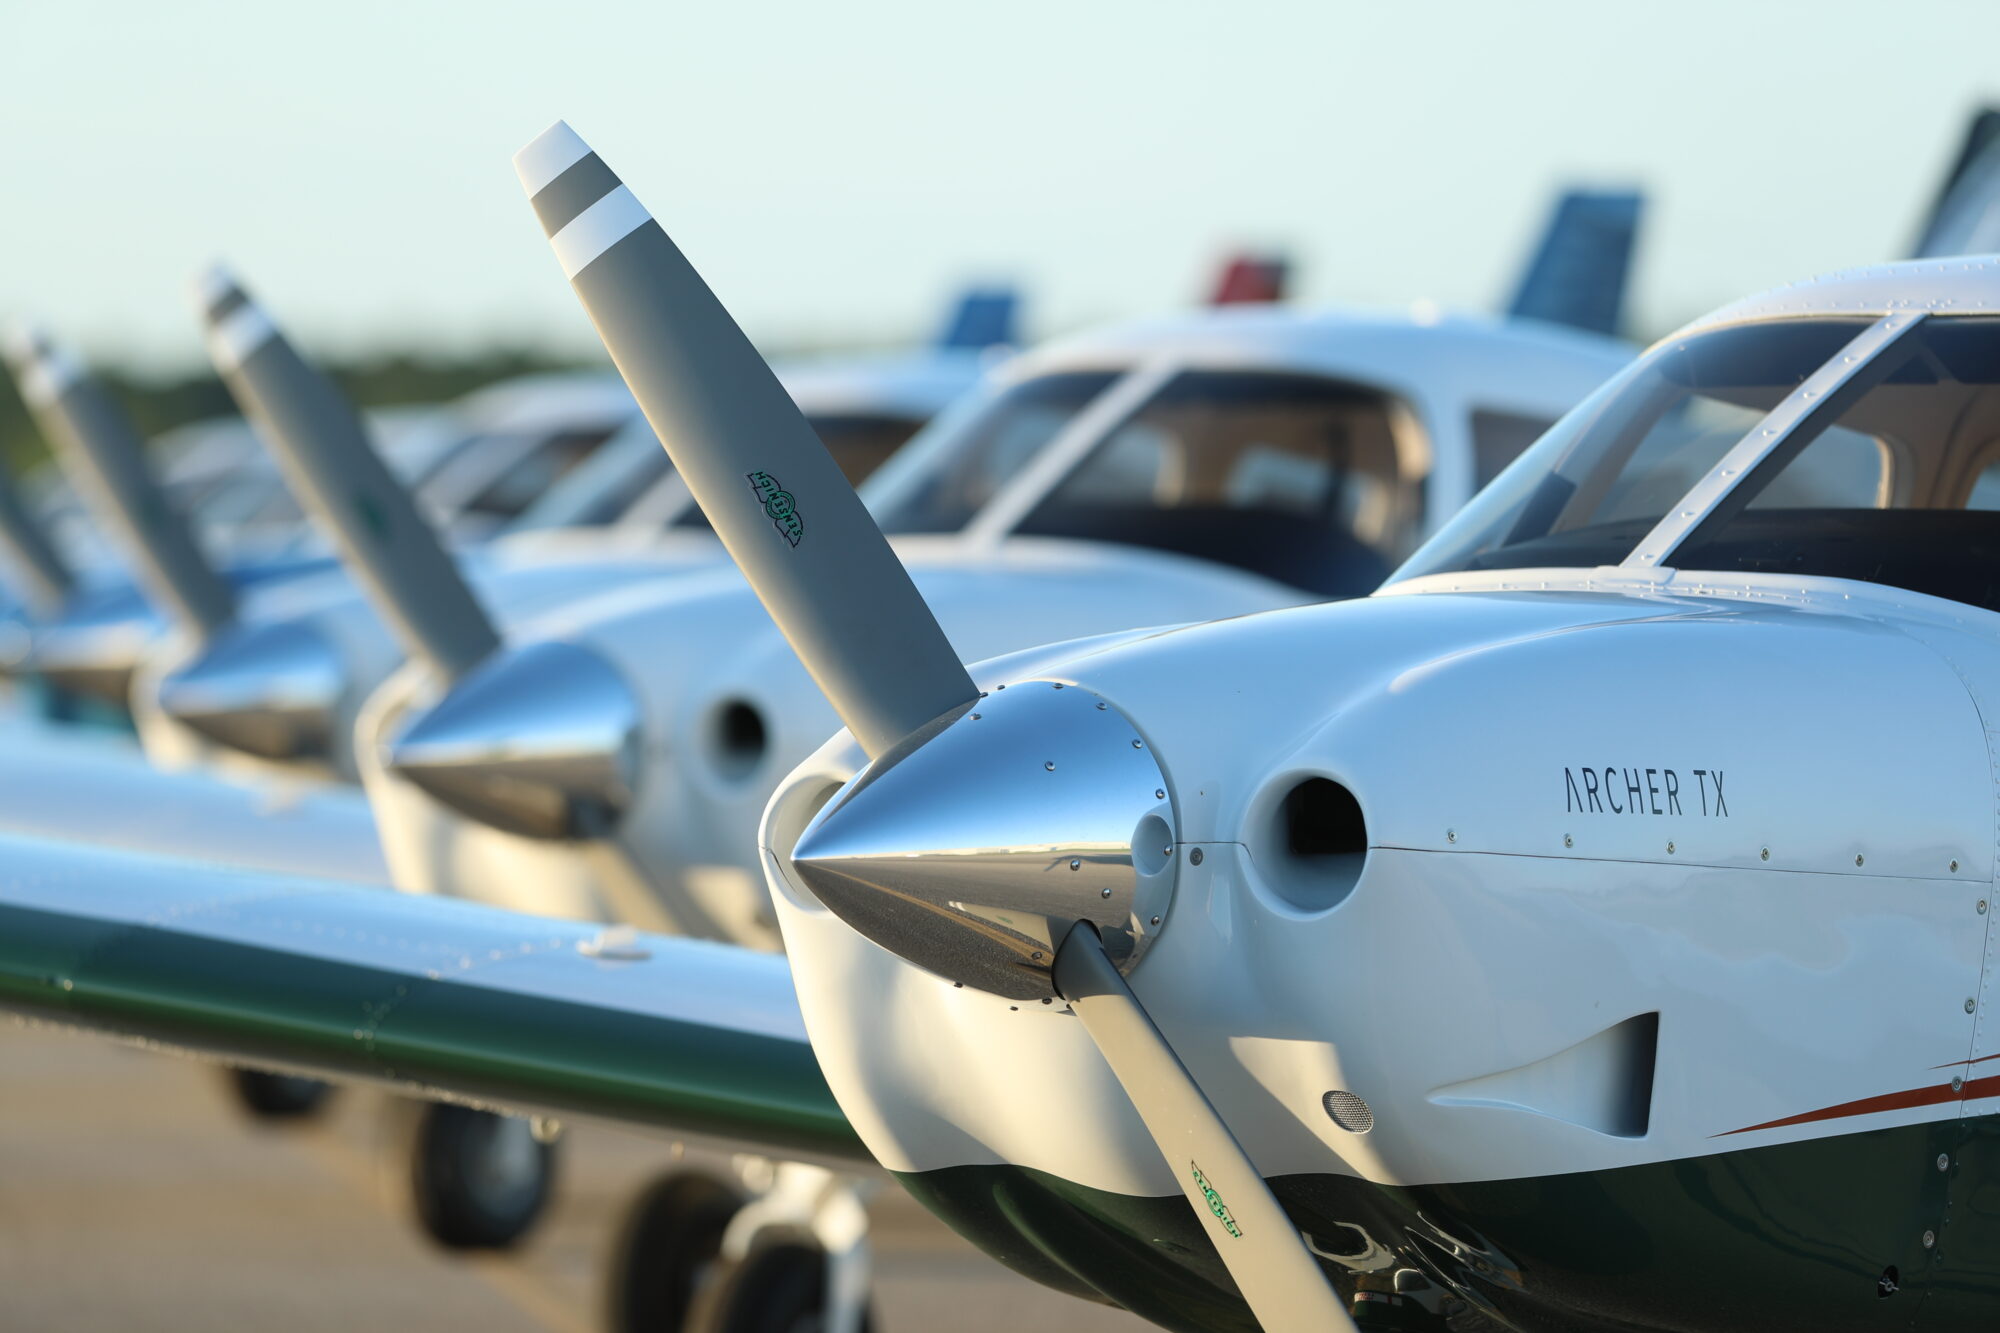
column 774, row 495
column 322, row 446
column 105, row 460
column 1278, row 1276
column 45, row 579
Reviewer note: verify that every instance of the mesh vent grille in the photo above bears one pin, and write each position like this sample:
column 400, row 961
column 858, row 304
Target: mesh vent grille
column 1349, row 1112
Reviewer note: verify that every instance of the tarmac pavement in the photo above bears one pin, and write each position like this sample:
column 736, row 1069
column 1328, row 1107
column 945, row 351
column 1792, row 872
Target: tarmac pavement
column 136, row 1197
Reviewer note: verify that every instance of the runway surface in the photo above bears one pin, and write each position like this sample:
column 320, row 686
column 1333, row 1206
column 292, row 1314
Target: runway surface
column 135, row 1197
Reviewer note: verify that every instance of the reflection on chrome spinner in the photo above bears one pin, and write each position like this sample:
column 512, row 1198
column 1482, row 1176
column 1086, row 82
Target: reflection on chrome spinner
column 972, row 849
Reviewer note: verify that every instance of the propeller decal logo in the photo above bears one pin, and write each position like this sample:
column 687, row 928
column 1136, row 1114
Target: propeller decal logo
column 1215, row 1203
column 779, row 505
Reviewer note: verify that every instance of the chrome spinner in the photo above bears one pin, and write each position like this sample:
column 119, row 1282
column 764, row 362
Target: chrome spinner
column 974, row 847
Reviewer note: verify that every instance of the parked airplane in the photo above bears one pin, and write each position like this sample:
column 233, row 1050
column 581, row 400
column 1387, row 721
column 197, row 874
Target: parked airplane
column 1653, row 996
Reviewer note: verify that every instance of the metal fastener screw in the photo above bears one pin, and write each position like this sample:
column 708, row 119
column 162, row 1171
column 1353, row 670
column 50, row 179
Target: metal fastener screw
column 1451, row 835
column 1969, row 1004
column 1568, row 841
column 1104, row 893
column 1194, row 857
column 1051, row 765
column 1954, row 867
column 1944, row 1162
column 1670, row 849
column 1076, row 863
column 1156, row 921
column 1138, row 745
column 1037, row 954
column 1046, row 999
column 1857, row 858
column 975, row 717
column 1930, row 1239
column 1159, row 793
column 1981, row 909
column 1957, row 1082
column 1764, row 855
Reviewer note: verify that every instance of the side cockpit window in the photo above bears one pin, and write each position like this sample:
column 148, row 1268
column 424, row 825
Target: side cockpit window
column 1879, row 492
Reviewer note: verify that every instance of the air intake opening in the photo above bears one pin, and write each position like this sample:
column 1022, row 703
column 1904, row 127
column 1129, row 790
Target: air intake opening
column 1322, row 818
column 738, row 739
column 1312, row 842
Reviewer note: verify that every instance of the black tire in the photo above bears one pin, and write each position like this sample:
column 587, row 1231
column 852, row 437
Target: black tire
column 780, row 1287
column 278, row 1096
column 481, row 1180
column 666, row 1252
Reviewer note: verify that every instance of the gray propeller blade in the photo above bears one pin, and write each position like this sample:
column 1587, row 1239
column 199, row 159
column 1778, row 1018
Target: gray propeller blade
column 45, row 579
column 105, row 460
column 772, row 492
column 323, row 449
column 1277, row 1275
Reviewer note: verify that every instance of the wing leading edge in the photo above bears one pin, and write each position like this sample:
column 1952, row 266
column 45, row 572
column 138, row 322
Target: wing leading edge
column 431, row 994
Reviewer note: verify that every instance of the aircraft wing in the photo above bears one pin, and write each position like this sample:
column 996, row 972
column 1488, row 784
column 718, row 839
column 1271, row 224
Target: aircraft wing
column 76, row 786
column 432, row 995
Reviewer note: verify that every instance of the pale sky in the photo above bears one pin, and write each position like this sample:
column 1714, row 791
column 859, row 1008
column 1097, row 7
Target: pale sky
column 834, row 169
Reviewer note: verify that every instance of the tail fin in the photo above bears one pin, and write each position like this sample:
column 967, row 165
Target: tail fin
column 984, row 317
column 1965, row 217
column 1252, row 279
column 1578, row 274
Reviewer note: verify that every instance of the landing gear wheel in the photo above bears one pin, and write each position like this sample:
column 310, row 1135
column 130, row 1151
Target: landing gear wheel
column 779, row 1287
column 278, row 1096
column 666, row 1252
column 481, row 1180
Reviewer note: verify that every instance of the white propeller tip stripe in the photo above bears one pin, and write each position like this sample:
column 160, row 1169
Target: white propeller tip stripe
column 551, row 153
column 23, row 345
column 241, row 333
column 43, row 370
column 598, row 228
column 211, row 285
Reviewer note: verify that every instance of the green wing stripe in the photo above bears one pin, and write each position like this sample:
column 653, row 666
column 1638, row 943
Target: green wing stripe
column 441, row 995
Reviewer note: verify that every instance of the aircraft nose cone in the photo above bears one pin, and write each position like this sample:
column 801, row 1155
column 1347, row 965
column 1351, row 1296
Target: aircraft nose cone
column 542, row 741
column 271, row 690
column 973, row 851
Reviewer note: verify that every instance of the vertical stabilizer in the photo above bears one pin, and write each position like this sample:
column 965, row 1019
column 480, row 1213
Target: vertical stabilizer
column 1965, row 217
column 1579, row 272
column 983, row 317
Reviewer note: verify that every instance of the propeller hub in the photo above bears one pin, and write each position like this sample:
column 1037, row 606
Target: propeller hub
column 542, row 741
column 972, row 848
column 272, row 690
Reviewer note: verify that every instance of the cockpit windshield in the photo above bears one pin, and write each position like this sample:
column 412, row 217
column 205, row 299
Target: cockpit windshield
column 959, row 462
column 1894, row 478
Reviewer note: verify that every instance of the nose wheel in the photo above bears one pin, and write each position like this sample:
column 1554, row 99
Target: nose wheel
column 781, row 1248
column 781, row 1286
column 480, row 1180
column 667, row 1252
